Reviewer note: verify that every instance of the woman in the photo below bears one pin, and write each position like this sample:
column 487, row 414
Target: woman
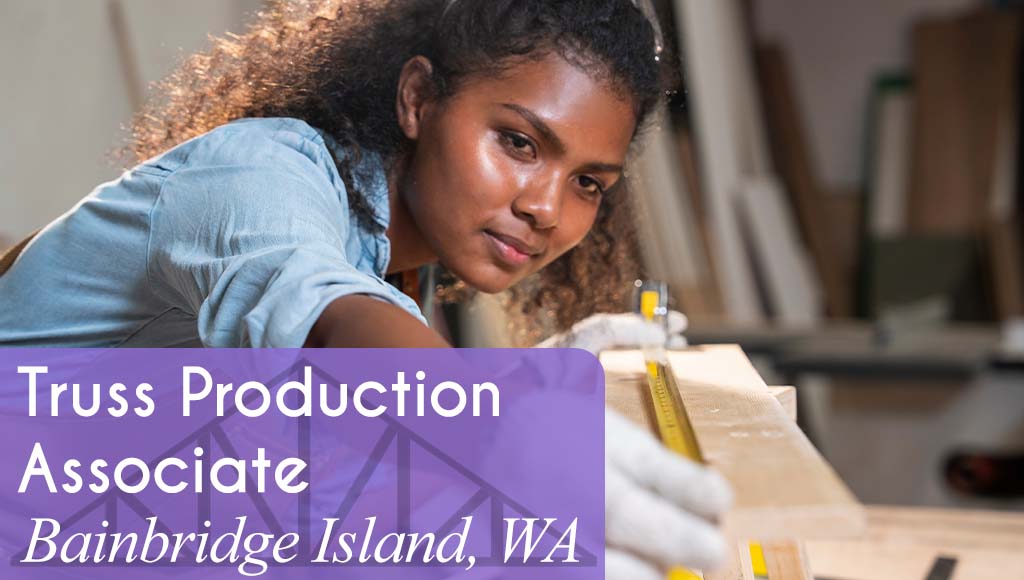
column 288, row 171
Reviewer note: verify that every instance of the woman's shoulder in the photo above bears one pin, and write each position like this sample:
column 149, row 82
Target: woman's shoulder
column 247, row 164
column 253, row 150
column 252, row 158
column 282, row 128
column 253, row 140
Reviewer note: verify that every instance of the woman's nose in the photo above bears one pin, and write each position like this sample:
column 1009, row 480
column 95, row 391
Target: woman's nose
column 541, row 205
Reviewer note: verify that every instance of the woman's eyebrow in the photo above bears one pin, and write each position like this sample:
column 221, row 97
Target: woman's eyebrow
column 549, row 135
column 546, row 132
column 602, row 168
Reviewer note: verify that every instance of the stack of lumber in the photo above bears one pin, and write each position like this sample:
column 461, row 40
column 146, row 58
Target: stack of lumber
column 946, row 222
column 754, row 234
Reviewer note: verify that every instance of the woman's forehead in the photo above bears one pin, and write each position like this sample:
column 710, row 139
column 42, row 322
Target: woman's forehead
column 580, row 107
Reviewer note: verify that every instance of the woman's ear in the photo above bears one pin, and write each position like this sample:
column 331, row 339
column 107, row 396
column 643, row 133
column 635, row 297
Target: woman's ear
column 415, row 90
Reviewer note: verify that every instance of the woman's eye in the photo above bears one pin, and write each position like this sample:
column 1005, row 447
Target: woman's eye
column 518, row 144
column 591, row 186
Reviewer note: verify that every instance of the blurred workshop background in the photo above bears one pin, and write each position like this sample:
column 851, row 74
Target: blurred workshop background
column 835, row 185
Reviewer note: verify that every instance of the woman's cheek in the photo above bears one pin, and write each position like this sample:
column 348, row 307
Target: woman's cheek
column 490, row 170
column 581, row 216
column 567, row 238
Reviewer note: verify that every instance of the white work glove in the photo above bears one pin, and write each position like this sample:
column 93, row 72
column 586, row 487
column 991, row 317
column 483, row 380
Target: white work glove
column 627, row 330
column 658, row 506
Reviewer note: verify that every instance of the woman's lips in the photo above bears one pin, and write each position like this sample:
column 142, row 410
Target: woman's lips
column 506, row 251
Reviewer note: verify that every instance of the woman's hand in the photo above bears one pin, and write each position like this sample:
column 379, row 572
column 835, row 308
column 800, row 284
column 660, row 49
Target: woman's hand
column 659, row 506
column 604, row 331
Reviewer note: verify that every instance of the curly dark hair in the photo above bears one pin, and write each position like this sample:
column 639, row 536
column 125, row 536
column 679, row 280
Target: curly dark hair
column 335, row 64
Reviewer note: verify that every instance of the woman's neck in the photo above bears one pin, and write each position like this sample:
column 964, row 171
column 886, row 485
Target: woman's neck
column 409, row 250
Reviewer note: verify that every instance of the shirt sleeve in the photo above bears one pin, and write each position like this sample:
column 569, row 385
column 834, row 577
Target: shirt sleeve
column 251, row 240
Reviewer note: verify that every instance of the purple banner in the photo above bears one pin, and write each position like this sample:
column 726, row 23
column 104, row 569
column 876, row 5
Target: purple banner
column 301, row 464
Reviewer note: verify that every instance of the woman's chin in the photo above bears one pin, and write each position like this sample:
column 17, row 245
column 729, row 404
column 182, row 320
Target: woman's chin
column 491, row 285
column 487, row 279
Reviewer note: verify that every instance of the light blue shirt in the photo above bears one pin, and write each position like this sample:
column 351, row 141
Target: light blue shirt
column 237, row 238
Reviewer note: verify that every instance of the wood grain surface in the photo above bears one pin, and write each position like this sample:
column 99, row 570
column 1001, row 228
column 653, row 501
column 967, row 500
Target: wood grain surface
column 784, row 488
column 904, row 542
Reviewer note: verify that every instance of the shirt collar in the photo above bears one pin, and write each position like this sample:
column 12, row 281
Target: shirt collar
column 369, row 177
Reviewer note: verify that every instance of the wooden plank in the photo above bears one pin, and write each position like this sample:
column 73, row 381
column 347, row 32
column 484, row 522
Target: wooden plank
column 737, row 171
column 1006, row 262
column 793, row 161
column 889, row 155
column 784, row 269
column 952, row 529
column 787, row 561
column 887, row 561
column 965, row 70
column 939, row 199
column 994, row 43
column 786, row 396
column 669, row 237
column 1005, row 244
column 784, row 488
column 843, row 209
column 738, row 567
column 781, row 261
column 627, row 398
column 706, row 35
column 904, row 543
column 711, row 294
column 996, row 39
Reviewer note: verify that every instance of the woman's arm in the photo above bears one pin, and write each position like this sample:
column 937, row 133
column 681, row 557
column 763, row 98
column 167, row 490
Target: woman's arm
column 359, row 321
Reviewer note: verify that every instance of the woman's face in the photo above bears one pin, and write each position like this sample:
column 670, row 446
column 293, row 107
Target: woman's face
column 507, row 174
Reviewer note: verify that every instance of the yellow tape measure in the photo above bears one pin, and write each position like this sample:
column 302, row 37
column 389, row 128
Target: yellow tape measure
column 669, row 415
column 666, row 409
column 663, row 399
